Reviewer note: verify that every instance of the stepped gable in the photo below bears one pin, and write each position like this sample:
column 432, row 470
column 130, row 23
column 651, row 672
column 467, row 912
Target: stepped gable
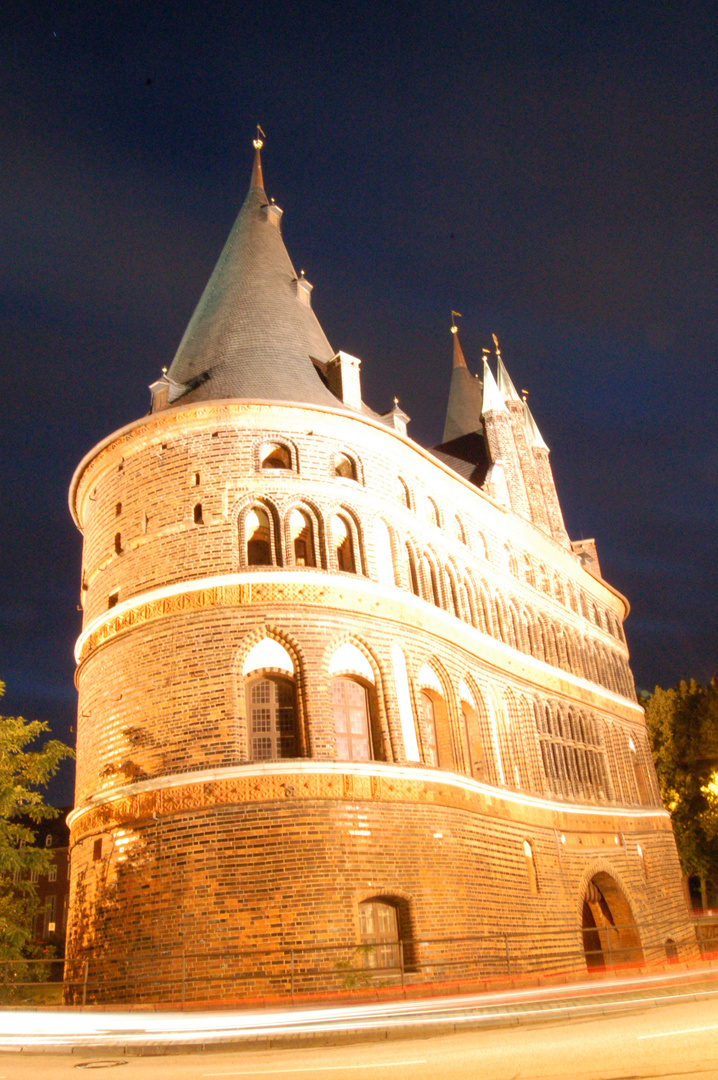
column 253, row 333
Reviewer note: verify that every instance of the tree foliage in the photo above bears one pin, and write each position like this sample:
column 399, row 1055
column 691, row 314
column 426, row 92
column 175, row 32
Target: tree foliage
column 683, row 732
column 24, row 771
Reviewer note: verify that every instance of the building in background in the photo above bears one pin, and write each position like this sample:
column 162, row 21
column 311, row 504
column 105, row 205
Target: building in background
column 53, row 888
column 340, row 692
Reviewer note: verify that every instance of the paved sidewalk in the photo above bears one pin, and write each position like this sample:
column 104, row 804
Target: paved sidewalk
column 137, row 1032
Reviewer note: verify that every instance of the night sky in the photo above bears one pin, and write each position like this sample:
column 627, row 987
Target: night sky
column 548, row 170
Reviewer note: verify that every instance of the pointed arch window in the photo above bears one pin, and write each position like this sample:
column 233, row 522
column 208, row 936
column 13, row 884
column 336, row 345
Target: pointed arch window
column 343, row 544
column 383, row 553
column 352, row 727
column 429, row 582
column 459, row 530
column 301, row 539
column 432, row 512
column 413, row 576
column 402, row 492
column 428, row 715
column 258, row 538
column 271, row 718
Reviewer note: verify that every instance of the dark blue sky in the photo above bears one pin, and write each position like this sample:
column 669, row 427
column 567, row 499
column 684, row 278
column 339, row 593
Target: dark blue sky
column 548, row 170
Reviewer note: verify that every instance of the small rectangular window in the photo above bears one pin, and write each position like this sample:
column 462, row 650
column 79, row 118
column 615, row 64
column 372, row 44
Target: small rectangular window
column 195, row 480
column 97, row 850
column 113, row 598
column 52, row 874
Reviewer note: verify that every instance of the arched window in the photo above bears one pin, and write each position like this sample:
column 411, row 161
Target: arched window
column 271, row 713
column 342, row 545
column 482, row 548
column 459, row 530
column 258, row 543
column 428, row 715
column 383, row 553
column 345, row 467
column 413, row 575
column 472, row 734
column 352, row 727
column 511, row 561
column 118, row 544
column 402, row 492
column 197, row 514
column 432, row 512
column 430, row 589
column 530, row 867
column 451, row 593
column 639, row 774
column 301, row 539
column 275, row 456
column 379, row 933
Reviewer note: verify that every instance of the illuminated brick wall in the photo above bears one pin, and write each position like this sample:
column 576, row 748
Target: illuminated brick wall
column 521, row 651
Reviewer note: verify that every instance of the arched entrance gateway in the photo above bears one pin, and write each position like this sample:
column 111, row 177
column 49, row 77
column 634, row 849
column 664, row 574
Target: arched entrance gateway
column 610, row 934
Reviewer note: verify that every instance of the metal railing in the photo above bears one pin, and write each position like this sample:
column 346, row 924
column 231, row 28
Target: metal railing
column 180, row 977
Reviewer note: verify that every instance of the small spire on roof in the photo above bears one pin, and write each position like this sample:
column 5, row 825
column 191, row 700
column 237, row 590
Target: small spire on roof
column 492, row 399
column 533, row 435
column 257, row 180
column 459, row 360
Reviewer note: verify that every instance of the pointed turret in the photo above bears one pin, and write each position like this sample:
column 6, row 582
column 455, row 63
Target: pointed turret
column 503, row 381
column 492, row 400
column 463, row 413
column 253, row 334
column 533, row 435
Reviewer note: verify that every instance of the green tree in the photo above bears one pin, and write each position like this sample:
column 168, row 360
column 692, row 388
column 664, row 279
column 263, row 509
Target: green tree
column 23, row 772
column 683, row 732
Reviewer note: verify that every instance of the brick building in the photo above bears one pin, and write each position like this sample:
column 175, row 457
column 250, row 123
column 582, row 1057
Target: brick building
column 336, row 688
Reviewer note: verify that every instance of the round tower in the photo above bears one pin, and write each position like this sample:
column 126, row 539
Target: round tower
column 344, row 702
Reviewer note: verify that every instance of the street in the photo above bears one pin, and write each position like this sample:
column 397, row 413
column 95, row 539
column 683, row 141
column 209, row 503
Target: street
column 668, row 1041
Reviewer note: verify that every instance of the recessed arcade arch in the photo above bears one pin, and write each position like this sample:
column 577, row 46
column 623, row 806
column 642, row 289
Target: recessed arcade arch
column 610, row 934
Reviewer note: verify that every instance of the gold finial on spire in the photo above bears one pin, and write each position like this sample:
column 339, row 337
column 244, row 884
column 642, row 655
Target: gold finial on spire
column 496, row 344
column 396, row 402
column 258, row 143
column 454, row 316
column 524, row 395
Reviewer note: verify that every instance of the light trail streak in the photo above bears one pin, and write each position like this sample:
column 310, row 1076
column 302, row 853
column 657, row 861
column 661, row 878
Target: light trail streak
column 683, row 1031
column 35, row 1029
column 320, row 1068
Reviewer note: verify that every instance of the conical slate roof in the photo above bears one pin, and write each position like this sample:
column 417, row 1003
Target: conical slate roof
column 463, row 413
column 253, row 332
